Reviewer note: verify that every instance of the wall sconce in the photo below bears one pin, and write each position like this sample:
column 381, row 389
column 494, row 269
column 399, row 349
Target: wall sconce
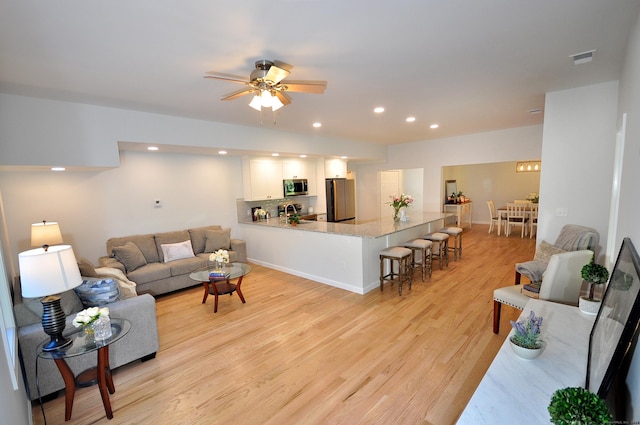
column 528, row 166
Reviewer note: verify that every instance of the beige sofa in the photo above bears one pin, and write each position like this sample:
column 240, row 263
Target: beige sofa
column 160, row 263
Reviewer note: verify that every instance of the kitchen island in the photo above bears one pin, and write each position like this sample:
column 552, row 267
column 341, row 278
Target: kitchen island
column 337, row 254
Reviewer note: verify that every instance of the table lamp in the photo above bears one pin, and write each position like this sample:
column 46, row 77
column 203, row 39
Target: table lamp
column 46, row 273
column 45, row 234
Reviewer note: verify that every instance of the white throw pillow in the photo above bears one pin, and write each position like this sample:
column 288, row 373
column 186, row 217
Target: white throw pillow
column 177, row 251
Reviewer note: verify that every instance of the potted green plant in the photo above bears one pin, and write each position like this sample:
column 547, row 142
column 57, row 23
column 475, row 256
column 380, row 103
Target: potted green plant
column 294, row 219
column 594, row 274
column 525, row 341
column 576, row 405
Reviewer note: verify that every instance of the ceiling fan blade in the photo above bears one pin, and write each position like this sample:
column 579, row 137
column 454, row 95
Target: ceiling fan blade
column 309, row 86
column 276, row 74
column 283, row 97
column 238, row 93
column 226, row 77
column 282, row 65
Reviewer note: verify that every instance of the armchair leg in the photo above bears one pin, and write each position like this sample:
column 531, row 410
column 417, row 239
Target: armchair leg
column 497, row 305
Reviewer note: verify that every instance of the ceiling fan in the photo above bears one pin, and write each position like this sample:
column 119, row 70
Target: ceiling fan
column 268, row 85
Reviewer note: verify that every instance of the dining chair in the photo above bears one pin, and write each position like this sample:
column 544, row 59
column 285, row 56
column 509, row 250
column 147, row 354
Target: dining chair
column 517, row 215
column 561, row 283
column 493, row 215
column 533, row 219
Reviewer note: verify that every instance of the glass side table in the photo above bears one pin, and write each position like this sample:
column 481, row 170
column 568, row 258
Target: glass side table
column 81, row 344
column 222, row 285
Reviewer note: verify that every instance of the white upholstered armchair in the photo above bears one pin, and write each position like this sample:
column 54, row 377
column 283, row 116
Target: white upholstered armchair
column 572, row 237
column 561, row 283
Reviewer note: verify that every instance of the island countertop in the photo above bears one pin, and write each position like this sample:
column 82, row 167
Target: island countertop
column 365, row 229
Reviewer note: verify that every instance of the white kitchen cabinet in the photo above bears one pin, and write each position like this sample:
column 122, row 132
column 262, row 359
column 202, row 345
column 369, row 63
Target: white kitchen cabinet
column 295, row 169
column 262, row 179
column 301, row 169
column 335, row 168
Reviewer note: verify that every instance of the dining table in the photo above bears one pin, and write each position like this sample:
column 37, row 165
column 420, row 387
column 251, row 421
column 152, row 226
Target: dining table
column 502, row 214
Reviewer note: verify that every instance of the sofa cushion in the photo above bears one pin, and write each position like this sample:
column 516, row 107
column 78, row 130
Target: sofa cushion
column 86, row 268
column 186, row 265
column 149, row 273
column 177, row 251
column 146, row 243
column 166, row 238
column 199, row 237
column 217, row 239
column 97, row 292
column 130, row 255
column 545, row 250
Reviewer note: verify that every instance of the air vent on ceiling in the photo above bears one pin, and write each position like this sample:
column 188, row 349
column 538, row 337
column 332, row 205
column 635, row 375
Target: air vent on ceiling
column 583, row 57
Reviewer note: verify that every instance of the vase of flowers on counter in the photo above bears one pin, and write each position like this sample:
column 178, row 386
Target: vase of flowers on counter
column 399, row 202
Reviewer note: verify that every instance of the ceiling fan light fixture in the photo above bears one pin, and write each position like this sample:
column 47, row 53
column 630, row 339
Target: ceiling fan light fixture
column 256, row 103
column 266, row 99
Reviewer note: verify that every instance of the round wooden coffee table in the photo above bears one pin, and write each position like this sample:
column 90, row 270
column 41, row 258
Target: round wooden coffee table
column 221, row 285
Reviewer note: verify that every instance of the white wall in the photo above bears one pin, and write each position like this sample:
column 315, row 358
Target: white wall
column 496, row 146
column 577, row 157
column 195, row 191
column 41, row 132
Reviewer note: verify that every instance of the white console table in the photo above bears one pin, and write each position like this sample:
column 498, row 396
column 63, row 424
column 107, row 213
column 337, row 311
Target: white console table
column 462, row 211
column 517, row 391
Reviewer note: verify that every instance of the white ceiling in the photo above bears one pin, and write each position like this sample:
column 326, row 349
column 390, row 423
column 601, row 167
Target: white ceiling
column 469, row 65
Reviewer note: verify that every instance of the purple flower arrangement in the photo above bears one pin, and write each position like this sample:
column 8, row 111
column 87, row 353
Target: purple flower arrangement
column 527, row 332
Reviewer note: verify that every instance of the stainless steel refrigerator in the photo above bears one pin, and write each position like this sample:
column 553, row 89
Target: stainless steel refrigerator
column 341, row 199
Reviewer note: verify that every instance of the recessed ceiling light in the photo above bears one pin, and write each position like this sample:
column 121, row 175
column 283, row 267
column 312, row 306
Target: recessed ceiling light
column 58, row 169
column 222, row 152
column 344, row 157
column 275, row 154
column 378, row 110
column 411, row 119
column 434, row 126
column 317, row 124
column 152, row 148
column 303, row 156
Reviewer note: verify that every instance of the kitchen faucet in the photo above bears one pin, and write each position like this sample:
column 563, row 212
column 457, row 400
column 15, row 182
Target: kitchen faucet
column 286, row 207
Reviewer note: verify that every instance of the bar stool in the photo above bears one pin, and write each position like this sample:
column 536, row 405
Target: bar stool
column 442, row 253
column 421, row 247
column 456, row 232
column 403, row 257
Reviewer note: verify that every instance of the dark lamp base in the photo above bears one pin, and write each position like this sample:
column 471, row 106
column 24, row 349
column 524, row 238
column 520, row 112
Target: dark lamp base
column 53, row 323
column 57, row 342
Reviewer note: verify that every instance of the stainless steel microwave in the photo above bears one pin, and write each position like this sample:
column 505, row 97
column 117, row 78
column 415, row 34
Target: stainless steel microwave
column 295, row 187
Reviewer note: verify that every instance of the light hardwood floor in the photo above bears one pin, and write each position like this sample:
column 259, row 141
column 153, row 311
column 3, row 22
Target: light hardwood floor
column 300, row 352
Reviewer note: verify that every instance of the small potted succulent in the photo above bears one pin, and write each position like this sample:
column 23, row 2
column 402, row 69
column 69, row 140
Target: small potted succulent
column 294, row 219
column 594, row 274
column 576, row 405
column 525, row 341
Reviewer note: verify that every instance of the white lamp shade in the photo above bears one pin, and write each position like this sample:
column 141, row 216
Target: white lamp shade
column 48, row 272
column 45, row 233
